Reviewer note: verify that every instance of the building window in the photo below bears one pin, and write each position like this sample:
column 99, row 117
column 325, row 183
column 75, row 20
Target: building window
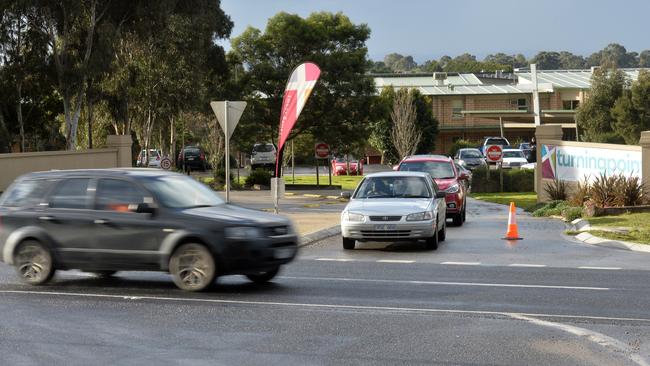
column 570, row 104
column 456, row 109
column 520, row 103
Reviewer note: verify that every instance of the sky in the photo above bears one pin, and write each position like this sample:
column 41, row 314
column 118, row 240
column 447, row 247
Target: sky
column 431, row 29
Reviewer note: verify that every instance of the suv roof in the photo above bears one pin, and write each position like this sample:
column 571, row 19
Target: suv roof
column 111, row 172
column 428, row 157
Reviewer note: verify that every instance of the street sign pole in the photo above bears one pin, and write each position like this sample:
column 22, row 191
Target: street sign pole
column 225, row 122
column 317, row 182
column 329, row 170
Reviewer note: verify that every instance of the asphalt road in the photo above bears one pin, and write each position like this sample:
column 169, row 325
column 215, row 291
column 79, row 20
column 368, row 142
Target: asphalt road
column 478, row 300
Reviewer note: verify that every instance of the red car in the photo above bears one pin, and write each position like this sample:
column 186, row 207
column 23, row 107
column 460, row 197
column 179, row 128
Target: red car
column 450, row 180
column 340, row 166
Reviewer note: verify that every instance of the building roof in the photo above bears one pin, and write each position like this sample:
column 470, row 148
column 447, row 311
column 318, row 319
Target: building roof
column 481, row 89
column 424, row 79
column 570, row 79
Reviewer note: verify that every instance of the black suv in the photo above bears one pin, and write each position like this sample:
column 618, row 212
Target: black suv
column 192, row 158
column 108, row 220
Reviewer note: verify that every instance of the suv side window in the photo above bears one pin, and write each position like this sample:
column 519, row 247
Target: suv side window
column 25, row 193
column 118, row 195
column 70, row 193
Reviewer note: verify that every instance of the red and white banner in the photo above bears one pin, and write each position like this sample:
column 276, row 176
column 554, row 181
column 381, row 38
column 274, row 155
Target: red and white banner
column 299, row 87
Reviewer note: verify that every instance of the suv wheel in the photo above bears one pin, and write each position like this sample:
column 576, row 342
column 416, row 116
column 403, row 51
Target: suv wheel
column 34, row 262
column 348, row 243
column 465, row 212
column 262, row 277
column 458, row 219
column 192, row 267
column 103, row 274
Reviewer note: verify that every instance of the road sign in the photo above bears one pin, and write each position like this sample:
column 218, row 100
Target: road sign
column 166, row 163
column 322, row 150
column 235, row 110
column 494, row 153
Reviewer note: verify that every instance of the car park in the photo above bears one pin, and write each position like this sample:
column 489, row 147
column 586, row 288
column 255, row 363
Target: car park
column 109, row 220
column 443, row 171
column 513, row 158
column 263, row 156
column 527, row 149
column 501, row 141
column 467, row 182
column 470, row 158
column 192, row 158
column 340, row 165
column 395, row 206
column 150, row 160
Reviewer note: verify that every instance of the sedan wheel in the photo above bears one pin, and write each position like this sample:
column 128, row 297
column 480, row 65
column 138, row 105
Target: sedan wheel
column 348, row 243
column 192, row 267
column 34, row 263
column 432, row 242
column 262, row 277
column 442, row 233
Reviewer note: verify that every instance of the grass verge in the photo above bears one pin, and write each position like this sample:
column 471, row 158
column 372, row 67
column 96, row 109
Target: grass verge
column 525, row 200
column 347, row 183
column 638, row 223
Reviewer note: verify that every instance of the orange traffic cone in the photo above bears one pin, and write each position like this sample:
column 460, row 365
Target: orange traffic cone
column 513, row 231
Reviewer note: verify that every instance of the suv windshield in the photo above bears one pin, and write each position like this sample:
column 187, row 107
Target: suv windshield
column 182, row 192
column 263, row 148
column 437, row 169
column 393, row 187
column 470, row 154
column 497, row 141
column 192, row 152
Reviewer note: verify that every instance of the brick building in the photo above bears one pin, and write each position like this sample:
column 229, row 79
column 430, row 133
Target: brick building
column 473, row 106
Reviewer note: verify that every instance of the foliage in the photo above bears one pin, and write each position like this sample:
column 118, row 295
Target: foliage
column 553, row 208
column 525, row 200
column 347, row 182
column 582, row 193
column 603, row 190
column 632, row 110
column 462, row 144
column 556, row 190
column 629, row 192
column 405, row 135
column 259, row 176
column 572, row 213
column 514, row 180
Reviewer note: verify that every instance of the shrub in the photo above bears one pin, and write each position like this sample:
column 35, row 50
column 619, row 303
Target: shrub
column 553, row 208
column 582, row 193
column 514, row 180
column 461, row 144
column 259, row 176
column 556, row 190
column 572, row 213
column 603, row 190
column 629, row 192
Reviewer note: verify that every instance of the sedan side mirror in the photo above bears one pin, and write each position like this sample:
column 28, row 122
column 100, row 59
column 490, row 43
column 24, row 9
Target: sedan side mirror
column 441, row 194
column 346, row 195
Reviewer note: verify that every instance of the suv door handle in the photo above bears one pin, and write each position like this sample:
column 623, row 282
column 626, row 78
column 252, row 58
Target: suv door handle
column 47, row 218
column 102, row 222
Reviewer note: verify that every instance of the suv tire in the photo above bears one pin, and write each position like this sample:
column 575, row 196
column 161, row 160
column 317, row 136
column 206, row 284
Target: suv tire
column 34, row 262
column 192, row 267
column 263, row 277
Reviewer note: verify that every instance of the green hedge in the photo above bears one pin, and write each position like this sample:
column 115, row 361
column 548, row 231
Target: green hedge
column 514, row 180
column 462, row 144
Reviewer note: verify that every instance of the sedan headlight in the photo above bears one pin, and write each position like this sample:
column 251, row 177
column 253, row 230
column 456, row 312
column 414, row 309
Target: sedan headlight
column 452, row 188
column 352, row 217
column 420, row 216
column 242, row 232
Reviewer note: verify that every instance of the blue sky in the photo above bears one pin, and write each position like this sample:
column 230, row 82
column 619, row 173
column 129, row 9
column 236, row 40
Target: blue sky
column 431, row 29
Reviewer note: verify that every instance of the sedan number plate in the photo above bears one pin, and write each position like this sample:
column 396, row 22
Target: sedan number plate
column 190, row 158
column 385, row 227
column 284, row 253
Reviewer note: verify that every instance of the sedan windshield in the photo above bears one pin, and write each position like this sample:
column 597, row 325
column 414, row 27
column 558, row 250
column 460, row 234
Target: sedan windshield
column 182, row 192
column 393, row 187
column 513, row 154
column 437, row 169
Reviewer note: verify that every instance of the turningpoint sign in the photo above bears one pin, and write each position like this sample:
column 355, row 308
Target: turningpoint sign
column 574, row 163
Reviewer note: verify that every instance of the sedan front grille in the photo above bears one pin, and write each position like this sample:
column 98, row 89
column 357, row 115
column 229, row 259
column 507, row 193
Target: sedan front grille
column 385, row 218
column 385, row 233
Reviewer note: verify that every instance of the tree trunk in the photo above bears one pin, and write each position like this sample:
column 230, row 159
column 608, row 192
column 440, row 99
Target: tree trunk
column 90, row 123
column 19, row 114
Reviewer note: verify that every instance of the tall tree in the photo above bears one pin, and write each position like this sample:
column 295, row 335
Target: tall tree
column 405, row 133
column 632, row 110
column 547, row 60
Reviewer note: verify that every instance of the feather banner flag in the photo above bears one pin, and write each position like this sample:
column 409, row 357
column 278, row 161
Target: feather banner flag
column 299, row 87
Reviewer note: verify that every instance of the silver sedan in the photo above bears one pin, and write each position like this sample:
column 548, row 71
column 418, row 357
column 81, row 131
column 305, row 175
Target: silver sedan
column 395, row 206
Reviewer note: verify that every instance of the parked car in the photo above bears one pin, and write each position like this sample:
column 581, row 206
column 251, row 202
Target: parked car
column 470, row 158
column 526, row 148
column 443, row 171
column 502, row 141
column 192, row 158
column 151, row 161
column 395, row 206
column 467, row 182
column 108, row 220
column 513, row 158
column 340, row 165
column 263, row 156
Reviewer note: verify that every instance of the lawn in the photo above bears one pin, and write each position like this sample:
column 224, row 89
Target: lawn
column 347, row 183
column 639, row 224
column 525, row 200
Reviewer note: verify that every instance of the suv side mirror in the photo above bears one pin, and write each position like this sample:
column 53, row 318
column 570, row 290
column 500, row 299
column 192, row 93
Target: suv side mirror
column 441, row 194
column 145, row 208
column 346, row 195
column 396, row 167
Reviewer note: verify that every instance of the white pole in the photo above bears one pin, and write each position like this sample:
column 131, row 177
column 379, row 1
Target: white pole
column 225, row 123
column 536, row 108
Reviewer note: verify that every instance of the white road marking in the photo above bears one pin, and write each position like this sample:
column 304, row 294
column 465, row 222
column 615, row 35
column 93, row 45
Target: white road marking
column 527, row 265
column 326, row 306
column 335, row 259
column 478, row 284
column 605, row 268
column 463, row 263
column 599, row 338
column 394, row 261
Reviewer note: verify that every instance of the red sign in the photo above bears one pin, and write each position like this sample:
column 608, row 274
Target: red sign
column 322, row 150
column 494, row 153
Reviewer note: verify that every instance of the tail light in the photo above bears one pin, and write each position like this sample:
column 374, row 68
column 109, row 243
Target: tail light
column 202, row 156
column 158, row 157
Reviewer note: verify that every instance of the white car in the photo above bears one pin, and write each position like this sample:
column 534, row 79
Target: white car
column 513, row 158
column 263, row 156
column 395, row 206
column 152, row 161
